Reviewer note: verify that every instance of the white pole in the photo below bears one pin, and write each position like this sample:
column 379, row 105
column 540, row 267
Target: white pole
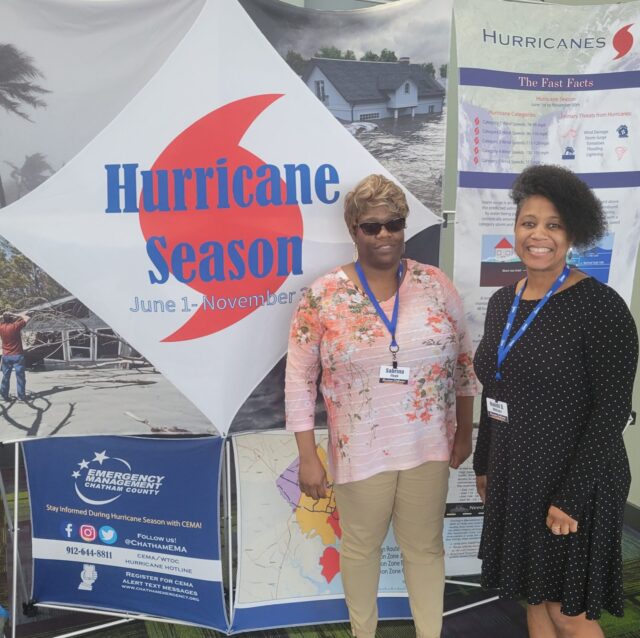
column 81, row 632
column 462, row 582
column 16, row 535
column 457, row 610
column 9, row 518
column 224, row 516
column 114, row 614
column 229, row 526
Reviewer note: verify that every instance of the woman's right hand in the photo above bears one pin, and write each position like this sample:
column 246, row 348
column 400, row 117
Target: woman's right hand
column 312, row 478
column 481, row 487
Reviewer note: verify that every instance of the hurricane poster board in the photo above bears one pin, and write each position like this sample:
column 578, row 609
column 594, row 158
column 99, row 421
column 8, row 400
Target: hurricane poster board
column 172, row 199
column 129, row 525
column 544, row 84
column 289, row 544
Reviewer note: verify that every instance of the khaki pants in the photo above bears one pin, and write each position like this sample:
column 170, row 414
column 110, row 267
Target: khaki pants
column 415, row 500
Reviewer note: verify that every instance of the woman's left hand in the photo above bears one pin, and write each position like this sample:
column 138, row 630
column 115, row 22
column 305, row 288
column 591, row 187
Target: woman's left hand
column 461, row 450
column 560, row 523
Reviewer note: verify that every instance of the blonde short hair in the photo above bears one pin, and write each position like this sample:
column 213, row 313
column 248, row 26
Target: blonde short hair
column 372, row 191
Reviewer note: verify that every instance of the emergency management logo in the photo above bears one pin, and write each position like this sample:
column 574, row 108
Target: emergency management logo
column 104, row 479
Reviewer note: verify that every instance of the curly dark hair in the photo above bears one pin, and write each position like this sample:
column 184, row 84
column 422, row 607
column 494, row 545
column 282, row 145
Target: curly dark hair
column 580, row 210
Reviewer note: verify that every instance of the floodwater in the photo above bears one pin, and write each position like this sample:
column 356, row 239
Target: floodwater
column 412, row 149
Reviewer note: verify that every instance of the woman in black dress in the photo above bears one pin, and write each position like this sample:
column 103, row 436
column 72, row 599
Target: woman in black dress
column 557, row 362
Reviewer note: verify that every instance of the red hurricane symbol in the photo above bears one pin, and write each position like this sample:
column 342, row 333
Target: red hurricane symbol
column 215, row 136
column 623, row 41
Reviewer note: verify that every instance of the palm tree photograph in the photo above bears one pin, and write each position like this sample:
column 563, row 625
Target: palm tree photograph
column 19, row 89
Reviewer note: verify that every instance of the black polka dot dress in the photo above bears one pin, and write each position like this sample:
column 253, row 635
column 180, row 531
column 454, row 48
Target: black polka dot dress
column 567, row 384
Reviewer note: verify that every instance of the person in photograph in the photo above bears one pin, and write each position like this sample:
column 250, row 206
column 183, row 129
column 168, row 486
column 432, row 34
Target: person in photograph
column 11, row 327
column 557, row 363
column 387, row 336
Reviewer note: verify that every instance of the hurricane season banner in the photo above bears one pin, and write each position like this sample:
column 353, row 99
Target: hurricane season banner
column 128, row 525
column 175, row 238
column 552, row 84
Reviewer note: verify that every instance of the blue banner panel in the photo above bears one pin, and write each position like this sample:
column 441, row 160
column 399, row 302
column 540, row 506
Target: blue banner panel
column 311, row 613
column 128, row 524
column 549, row 82
column 482, row 179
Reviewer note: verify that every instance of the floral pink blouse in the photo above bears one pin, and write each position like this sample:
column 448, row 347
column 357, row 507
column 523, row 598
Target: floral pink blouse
column 373, row 426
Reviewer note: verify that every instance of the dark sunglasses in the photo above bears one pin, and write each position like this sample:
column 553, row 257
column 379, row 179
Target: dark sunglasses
column 392, row 226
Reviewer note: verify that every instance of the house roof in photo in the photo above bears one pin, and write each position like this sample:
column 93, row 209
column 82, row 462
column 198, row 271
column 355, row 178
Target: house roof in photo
column 360, row 81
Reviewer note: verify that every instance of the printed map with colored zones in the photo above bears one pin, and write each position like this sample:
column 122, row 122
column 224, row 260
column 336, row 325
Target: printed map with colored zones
column 315, row 518
column 288, row 544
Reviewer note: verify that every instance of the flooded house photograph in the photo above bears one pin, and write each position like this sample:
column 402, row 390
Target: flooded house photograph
column 358, row 91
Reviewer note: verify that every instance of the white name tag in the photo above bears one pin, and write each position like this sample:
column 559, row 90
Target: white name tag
column 389, row 374
column 497, row 410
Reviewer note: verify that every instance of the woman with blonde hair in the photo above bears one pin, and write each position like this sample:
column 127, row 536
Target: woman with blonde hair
column 388, row 337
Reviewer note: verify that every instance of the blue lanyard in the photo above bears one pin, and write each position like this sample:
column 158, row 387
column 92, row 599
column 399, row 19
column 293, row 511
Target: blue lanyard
column 391, row 324
column 505, row 346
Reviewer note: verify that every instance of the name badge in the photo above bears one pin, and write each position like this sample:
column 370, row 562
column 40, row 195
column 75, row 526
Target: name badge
column 497, row 410
column 389, row 374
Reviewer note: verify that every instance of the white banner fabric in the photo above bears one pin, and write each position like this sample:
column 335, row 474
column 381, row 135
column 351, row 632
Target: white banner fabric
column 193, row 219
